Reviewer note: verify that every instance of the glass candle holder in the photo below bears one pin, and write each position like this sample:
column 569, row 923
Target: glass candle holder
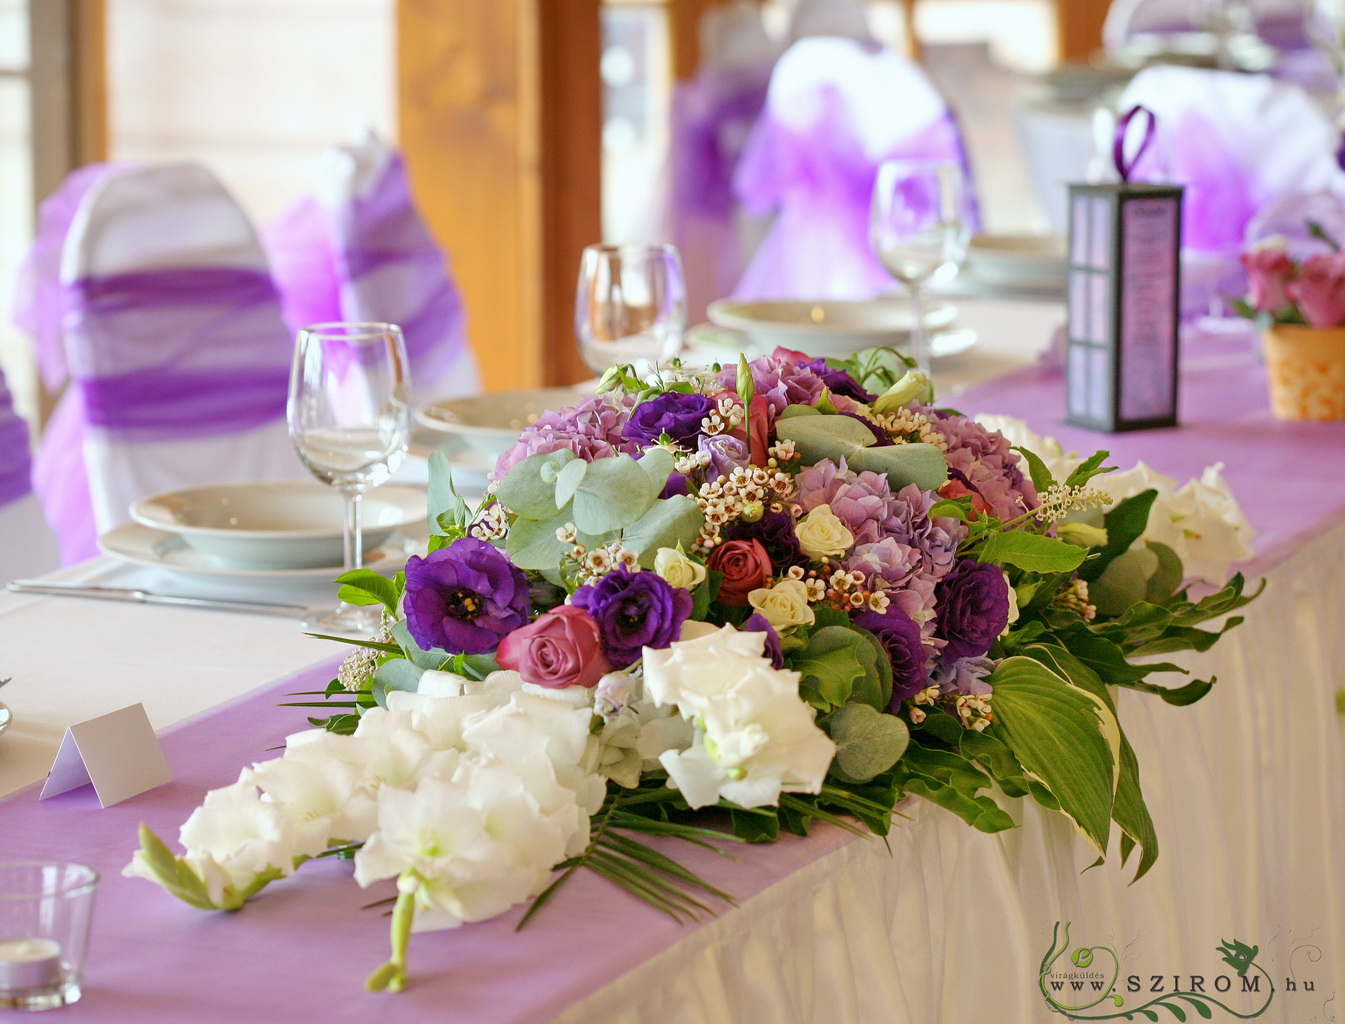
column 45, row 910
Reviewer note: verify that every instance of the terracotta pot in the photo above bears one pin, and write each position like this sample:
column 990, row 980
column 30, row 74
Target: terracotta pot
column 1306, row 367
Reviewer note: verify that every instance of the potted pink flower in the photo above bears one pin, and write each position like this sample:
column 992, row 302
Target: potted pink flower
column 1301, row 308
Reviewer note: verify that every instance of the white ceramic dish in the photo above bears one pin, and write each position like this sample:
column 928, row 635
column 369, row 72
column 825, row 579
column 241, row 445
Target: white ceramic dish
column 727, row 342
column 827, row 327
column 1033, row 263
column 489, row 424
column 157, row 549
column 276, row 524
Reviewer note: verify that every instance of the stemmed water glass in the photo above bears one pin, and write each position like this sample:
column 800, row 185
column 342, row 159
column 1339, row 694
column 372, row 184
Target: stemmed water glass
column 349, row 419
column 631, row 305
column 918, row 227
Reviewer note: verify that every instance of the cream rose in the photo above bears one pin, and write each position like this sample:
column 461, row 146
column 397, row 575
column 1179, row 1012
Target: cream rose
column 821, row 534
column 784, row 605
column 678, row 569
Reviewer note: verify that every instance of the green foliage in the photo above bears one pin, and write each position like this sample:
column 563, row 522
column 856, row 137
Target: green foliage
column 1124, row 524
column 948, row 779
column 366, row 587
column 868, row 742
column 669, row 523
column 1030, row 551
column 838, row 664
column 841, row 437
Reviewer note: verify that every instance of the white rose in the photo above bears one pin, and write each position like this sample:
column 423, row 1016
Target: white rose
column 784, row 605
column 821, row 534
column 678, row 569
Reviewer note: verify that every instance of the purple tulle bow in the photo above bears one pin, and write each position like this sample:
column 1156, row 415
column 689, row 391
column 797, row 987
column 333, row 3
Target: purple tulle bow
column 16, row 477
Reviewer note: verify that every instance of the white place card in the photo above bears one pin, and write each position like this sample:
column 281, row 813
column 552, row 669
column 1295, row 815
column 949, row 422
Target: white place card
column 117, row 752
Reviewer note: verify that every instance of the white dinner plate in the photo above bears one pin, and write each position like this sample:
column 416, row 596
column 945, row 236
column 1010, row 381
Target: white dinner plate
column 159, row 549
column 6, row 716
column 828, row 327
column 490, row 423
column 1018, row 263
column 714, row 342
column 276, row 524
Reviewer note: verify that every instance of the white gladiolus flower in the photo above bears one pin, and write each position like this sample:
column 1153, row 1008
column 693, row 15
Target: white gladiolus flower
column 755, row 737
column 234, row 836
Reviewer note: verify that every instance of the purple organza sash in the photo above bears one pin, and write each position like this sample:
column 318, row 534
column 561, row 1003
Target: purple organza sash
column 706, row 113
column 821, row 181
column 393, row 264
column 16, row 467
column 178, row 353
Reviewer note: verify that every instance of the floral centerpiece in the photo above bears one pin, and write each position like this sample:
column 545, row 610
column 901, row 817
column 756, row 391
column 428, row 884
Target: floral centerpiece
column 1300, row 305
column 720, row 605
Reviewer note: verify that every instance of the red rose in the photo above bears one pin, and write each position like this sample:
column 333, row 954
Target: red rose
column 561, row 648
column 745, row 566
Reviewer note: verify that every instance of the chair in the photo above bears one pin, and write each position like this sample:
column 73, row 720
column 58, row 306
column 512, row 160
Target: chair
column 712, row 115
column 358, row 250
column 27, row 545
column 835, row 110
column 1238, row 143
column 177, row 351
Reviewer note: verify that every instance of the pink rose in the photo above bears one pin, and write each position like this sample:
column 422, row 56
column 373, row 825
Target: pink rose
column 1268, row 272
column 745, row 566
column 1319, row 290
column 559, row 649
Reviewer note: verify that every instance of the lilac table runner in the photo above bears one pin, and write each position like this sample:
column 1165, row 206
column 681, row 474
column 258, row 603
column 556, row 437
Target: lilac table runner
column 301, row 949
column 1289, row 477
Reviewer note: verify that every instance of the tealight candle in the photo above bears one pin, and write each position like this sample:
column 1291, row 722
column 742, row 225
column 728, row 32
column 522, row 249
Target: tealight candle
column 29, row 963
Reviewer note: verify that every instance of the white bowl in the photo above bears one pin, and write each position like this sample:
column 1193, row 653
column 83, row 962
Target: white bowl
column 827, row 327
column 489, row 424
column 1021, row 262
column 276, row 524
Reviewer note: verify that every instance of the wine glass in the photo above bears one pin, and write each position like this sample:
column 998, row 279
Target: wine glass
column 631, row 305
column 349, row 419
column 918, row 228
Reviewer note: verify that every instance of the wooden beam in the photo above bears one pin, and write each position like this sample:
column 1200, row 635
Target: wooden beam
column 1079, row 28
column 684, row 34
column 500, row 111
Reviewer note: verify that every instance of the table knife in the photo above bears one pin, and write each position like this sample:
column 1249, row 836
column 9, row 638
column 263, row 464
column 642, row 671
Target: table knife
column 69, row 589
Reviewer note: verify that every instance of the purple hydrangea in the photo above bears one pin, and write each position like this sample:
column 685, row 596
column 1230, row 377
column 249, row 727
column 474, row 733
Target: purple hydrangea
column 673, row 413
column 592, row 429
column 972, row 605
column 900, row 638
column 634, row 610
column 465, row 598
column 758, row 623
column 965, row 676
column 983, row 463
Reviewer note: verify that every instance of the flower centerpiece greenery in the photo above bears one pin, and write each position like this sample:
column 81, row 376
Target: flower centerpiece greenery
column 720, row 605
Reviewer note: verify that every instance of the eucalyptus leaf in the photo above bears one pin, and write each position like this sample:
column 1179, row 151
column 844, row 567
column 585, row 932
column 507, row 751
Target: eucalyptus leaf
column 397, row 674
column 1124, row 524
column 668, row 523
column 867, row 742
column 614, row 493
column 904, row 464
column 567, row 480
column 657, row 464
column 1167, row 577
column 1125, row 581
column 442, row 499
column 533, row 545
column 824, row 437
column 529, row 488
column 837, row 658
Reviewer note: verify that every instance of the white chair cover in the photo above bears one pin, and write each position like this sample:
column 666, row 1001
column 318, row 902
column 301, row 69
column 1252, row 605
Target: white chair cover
column 359, row 250
column 1238, row 143
column 835, row 110
column 174, row 339
column 27, row 545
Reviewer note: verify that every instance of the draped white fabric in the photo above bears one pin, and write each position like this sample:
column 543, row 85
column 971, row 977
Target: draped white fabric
column 1247, row 791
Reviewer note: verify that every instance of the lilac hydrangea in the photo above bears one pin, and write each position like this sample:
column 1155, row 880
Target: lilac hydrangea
column 465, row 598
column 898, row 546
column 634, row 610
column 972, row 604
column 780, row 383
column 965, row 676
column 592, row 429
column 901, row 639
column 982, row 462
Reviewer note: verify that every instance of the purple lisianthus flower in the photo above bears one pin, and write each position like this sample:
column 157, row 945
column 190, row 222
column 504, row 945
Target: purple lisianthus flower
column 838, row 382
column 965, row 676
column 673, row 413
column 775, row 531
column 727, row 453
column 758, row 623
column 465, row 598
column 900, row 636
column 634, row 610
column 972, row 604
